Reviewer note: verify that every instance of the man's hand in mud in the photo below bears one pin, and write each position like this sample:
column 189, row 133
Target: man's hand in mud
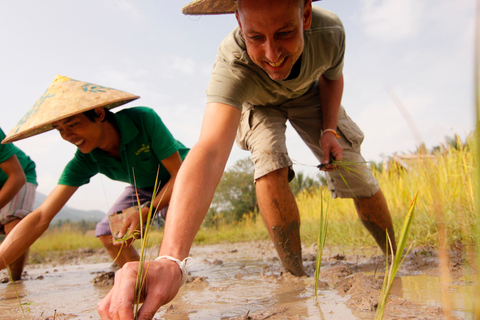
column 160, row 286
column 332, row 150
column 131, row 227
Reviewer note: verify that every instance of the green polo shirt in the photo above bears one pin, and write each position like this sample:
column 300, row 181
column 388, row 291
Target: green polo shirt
column 28, row 166
column 144, row 142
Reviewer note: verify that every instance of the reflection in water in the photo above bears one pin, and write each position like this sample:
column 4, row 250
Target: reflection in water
column 66, row 289
column 427, row 290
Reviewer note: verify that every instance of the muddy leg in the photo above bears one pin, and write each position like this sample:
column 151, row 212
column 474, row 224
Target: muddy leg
column 127, row 254
column 375, row 216
column 16, row 267
column 280, row 215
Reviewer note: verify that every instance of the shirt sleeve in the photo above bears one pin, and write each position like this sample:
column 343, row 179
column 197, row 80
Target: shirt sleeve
column 6, row 150
column 337, row 49
column 78, row 171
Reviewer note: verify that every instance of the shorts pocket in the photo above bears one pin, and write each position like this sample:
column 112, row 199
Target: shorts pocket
column 350, row 131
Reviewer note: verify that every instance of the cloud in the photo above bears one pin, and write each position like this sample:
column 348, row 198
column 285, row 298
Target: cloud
column 391, row 19
column 129, row 9
column 184, row 66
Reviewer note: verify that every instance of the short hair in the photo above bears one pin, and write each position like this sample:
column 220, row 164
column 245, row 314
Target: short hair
column 92, row 115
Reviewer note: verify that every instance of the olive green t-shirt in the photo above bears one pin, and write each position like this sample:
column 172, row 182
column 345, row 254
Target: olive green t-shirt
column 236, row 79
column 144, row 142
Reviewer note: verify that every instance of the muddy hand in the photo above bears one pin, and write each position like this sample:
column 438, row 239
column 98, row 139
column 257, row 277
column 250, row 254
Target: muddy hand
column 329, row 166
column 130, row 230
column 332, row 150
column 161, row 285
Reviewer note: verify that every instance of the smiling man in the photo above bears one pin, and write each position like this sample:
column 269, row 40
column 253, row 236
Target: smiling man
column 283, row 62
column 131, row 146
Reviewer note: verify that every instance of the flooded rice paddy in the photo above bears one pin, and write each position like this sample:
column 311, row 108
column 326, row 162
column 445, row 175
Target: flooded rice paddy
column 245, row 281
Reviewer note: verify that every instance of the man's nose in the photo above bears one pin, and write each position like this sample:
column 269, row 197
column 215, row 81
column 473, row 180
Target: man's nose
column 272, row 50
column 66, row 134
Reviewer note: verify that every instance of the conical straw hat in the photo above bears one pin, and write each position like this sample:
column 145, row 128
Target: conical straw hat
column 198, row 7
column 64, row 98
column 210, row 7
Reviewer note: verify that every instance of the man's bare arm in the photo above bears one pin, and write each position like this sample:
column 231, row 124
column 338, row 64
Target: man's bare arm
column 193, row 192
column 331, row 92
column 33, row 225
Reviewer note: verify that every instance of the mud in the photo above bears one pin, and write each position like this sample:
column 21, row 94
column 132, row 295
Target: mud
column 246, row 281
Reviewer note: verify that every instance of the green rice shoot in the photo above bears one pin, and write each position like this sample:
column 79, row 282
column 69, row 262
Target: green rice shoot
column 396, row 261
column 322, row 235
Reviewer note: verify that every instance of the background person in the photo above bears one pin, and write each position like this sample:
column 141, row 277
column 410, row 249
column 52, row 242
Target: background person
column 131, row 146
column 18, row 184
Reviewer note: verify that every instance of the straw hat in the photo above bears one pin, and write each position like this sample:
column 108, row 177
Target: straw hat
column 64, row 98
column 197, row 7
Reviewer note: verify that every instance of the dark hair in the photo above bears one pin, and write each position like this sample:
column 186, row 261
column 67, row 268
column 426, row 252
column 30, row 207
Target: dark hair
column 109, row 116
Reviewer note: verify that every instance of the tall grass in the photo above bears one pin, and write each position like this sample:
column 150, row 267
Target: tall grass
column 452, row 171
column 477, row 145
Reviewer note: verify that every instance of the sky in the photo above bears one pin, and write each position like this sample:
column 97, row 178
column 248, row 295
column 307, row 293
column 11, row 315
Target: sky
column 409, row 57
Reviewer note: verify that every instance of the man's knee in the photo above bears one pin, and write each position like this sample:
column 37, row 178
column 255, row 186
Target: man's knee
column 281, row 175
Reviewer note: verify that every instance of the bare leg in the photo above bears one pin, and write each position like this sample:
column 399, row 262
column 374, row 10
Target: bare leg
column 120, row 255
column 280, row 215
column 375, row 216
column 16, row 267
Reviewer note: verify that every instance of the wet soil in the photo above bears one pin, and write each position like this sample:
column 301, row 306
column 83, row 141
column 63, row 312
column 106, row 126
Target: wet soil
column 246, row 281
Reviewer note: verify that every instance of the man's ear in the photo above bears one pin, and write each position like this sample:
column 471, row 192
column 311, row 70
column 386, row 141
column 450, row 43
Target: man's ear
column 307, row 15
column 100, row 112
column 239, row 23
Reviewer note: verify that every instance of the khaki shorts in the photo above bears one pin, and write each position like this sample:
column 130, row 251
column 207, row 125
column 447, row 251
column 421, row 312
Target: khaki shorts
column 262, row 132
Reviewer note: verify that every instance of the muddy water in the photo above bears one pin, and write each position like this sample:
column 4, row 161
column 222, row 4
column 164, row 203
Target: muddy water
column 234, row 281
column 64, row 289
column 426, row 290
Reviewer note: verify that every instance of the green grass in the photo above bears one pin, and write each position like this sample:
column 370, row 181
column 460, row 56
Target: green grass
column 64, row 239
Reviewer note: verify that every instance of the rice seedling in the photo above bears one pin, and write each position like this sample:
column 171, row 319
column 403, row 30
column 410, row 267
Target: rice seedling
column 322, row 235
column 351, row 168
column 15, row 289
column 396, row 260
column 145, row 232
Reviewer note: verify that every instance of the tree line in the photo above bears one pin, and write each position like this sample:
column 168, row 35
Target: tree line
column 235, row 195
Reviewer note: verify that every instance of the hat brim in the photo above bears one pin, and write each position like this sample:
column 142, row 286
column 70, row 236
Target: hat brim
column 64, row 98
column 205, row 7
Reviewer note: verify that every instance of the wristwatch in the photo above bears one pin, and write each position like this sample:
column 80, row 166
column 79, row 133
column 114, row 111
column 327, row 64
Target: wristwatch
column 146, row 204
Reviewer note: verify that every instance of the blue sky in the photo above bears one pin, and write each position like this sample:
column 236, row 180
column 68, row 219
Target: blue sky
column 419, row 51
